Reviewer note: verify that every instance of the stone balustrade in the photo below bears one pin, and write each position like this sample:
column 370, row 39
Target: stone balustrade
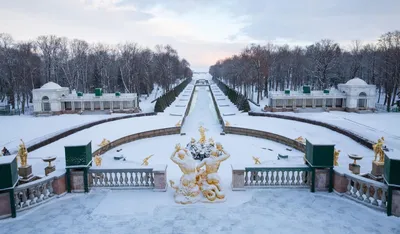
column 267, row 177
column 131, row 178
column 34, row 193
column 361, row 189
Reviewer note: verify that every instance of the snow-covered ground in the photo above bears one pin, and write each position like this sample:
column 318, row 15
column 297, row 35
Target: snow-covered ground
column 257, row 211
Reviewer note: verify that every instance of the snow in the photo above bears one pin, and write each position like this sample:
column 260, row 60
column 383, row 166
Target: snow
column 255, row 211
column 356, row 81
column 51, row 85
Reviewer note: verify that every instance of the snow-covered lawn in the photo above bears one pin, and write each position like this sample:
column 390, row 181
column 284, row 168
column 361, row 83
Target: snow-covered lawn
column 256, row 211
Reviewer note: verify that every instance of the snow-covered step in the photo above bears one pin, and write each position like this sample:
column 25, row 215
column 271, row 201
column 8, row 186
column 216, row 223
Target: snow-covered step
column 224, row 105
column 174, row 114
column 221, row 99
column 228, row 114
column 180, row 105
column 183, row 100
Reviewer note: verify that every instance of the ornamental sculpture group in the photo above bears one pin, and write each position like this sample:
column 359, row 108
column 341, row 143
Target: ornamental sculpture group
column 199, row 163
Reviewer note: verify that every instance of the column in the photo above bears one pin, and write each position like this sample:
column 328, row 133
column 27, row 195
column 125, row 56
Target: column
column 72, row 105
column 333, row 102
column 111, row 105
column 304, row 103
column 92, row 105
column 121, row 105
column 101, row 105
column 294, row 103
column 313, row 103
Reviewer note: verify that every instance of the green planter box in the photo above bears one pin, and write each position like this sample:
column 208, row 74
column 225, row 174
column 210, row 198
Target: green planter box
column 8, row 172
column 79, row 94
column 319, row 154
column 78, row 156
column 98, row 92
column 287, row 91
column 326, row 91
column 306, row 89
column 391, row 172
column 117, row 94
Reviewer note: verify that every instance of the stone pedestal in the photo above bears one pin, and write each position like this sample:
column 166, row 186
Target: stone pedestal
column 355, row 168
column 5, row 208
column 396, row 203
column 49, row 169
column 321, row 179
column 377, row 169
column 339, row 182
column 238, row 178
column 77, row 183
column 25, row 173
column 160, row 178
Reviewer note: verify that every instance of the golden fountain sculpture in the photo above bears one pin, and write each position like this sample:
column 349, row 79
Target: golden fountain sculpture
column 378, row 149
column 199, row 182
column 23, row 154
column 104, row 142
column 146, row 160
column 256, row 160
column 97, row 160
column 336, row 157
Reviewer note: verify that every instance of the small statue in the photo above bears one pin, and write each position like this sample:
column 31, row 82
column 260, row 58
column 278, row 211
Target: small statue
column 97, row 160
column 178, row 124
column 23, row 154
column 146, row 160
column 227, row 124
column 211, row 141
column 256, row 160
column 104, row 142
column 378, row 150
column 336, row 157
column 202, row 139
column 300, row 139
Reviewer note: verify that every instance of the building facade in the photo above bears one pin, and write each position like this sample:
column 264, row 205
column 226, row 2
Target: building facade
column 51, row 98
column 355, row 95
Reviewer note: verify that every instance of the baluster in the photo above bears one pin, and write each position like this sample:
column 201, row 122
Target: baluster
column 265, row 178
column 383, row 198
column 17, row 200
column 131, row 178
column 99, row 179
column 31, row 196
column 146, row 179
column 136, row 179
column 349, row 186
column 141, row 179
column 46, row 192
column 298, row 182
column 375, row 198
column 126, row 180
column 246, row 181
column 287, row 178
column 355, row 188
column 25, row 201
column 151, row 179
column 91, row 179
column 282, row 182
column 292, row 178
column 121, row 179
column 116, row 180
column 272, row 178
column 367, row 194
column 106, row 179
column 277, row 178
column 361, row 191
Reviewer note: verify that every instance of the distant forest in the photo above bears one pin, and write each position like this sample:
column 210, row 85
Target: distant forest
column 82, row 66
column 262, row 68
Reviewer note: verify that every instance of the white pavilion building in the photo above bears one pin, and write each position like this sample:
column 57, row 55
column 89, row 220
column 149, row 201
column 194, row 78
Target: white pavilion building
column 51, row 98
column 353, row 96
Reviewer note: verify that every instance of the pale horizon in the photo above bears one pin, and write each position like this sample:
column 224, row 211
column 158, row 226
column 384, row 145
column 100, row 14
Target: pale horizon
column 202, row 32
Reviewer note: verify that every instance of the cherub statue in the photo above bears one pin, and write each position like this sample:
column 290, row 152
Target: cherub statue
column 256, row 160
column 23, row 154
column 378, row 150
column 97, row 160
column 146, row 160
column 336, row 157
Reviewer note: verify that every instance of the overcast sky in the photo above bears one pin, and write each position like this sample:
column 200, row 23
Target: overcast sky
column 202, row 31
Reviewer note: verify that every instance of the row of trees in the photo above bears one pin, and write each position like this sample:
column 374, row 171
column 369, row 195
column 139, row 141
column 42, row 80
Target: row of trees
column 81, row 66
column 259, row 69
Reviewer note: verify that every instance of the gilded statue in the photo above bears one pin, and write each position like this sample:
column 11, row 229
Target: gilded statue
column 23, row 154
column 227, row 124
column 336, row 157
column 97, row 160
column 178, row 124
column 146, row 160
column 300, row 139
column 202, row 139
column 187, row 191
column 104, row 142
column 378, row 150
column 256, row 160
column 212, row 164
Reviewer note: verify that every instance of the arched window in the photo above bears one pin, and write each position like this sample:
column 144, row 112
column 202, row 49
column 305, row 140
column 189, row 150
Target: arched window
column 46, row 104
column 362, row 100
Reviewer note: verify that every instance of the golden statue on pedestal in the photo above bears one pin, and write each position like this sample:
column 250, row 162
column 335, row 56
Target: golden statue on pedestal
column 104, row 142
column 300, row 139
column 378, row 150
column 97, row 160
column 23, row 154
column 146, row 160
column 202, row 131
column 336, row 157
column 256, row 160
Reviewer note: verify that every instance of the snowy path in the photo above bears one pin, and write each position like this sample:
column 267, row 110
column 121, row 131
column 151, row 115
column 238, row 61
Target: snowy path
column 267, row 211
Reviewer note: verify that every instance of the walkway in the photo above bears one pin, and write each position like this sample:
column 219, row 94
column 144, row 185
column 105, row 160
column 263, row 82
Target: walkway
column 267, row 211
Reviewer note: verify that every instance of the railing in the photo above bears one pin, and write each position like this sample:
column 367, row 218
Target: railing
column 128, row 178
column 33, row 193
column 367, row 191
column 278, row 176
